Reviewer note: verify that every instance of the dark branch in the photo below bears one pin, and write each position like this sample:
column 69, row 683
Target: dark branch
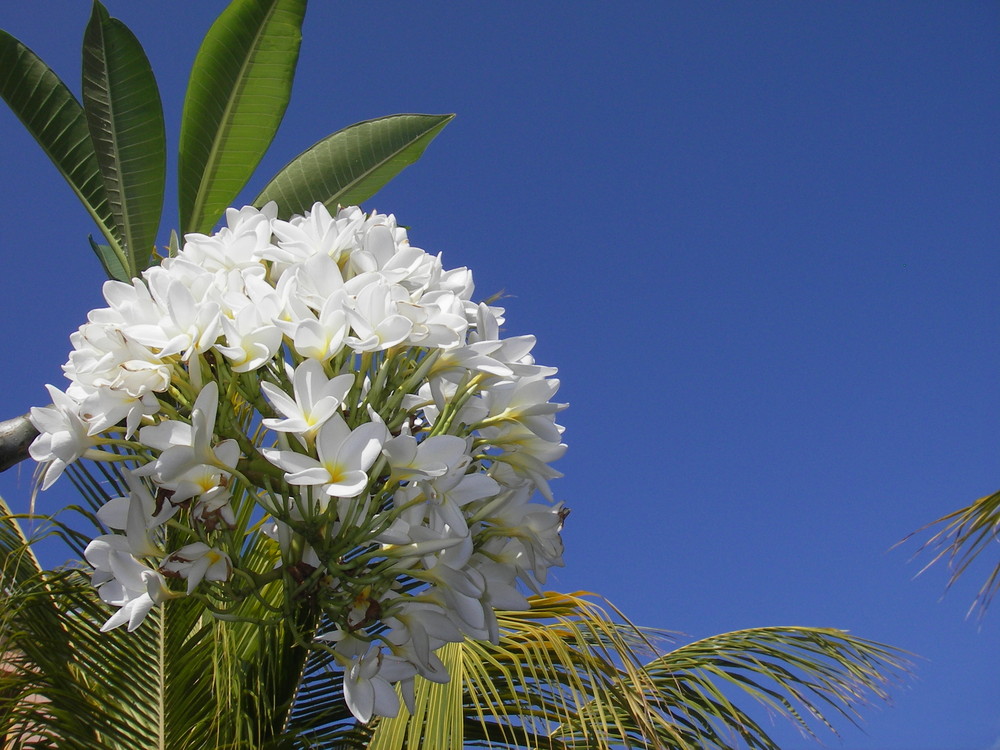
column 15, row 436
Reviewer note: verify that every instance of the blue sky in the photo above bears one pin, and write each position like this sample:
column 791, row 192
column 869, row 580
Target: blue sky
column 758, row 239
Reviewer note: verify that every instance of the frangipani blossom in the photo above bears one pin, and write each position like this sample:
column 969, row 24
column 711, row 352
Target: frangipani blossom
column 124, row 582
column 432, row 457
column 197, row 562
column 368, row 684
column 187, row 326
column 63, row 436
column 188, row 451
column 318, row 406
column 374, row 318
column 322, row 336
column 137, row 515
column 344, row 455
column 316, row 399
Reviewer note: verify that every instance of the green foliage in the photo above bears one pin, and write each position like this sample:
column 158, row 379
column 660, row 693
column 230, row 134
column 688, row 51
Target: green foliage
column 56, row 120
column 962, row 537
column 112, row 150
column 239, row 88
column 122, row 106
column 350, row 166
column 185, row 680
column 567, row 675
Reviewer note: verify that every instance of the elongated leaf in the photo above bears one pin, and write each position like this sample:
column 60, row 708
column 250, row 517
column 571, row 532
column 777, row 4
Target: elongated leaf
column 961, row 538
column 807, row 675
column 237, row 95
column 125, row 117
column 112, row 261
column 566, row 675
column 55, row 118
column 353, row 164
column 183, row 680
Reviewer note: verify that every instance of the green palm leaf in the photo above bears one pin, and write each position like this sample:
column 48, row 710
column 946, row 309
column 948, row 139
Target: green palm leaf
column 56, row 120
column 963, row 536
column 567, row 675
column 184, row 680
column 125, row 118
column 239, row 88
column 351, row 165
column 804, row 674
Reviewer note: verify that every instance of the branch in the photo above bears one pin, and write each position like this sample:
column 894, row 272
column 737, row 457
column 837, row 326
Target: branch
column 15, row 436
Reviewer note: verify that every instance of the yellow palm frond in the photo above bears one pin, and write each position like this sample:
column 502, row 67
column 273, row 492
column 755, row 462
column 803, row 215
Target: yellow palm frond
column 963, row 536
column 566, row 674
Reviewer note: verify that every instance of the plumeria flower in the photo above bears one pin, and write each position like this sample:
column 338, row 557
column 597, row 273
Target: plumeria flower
column 368, row 684
column 344, row 455
column 316, row 233
column 134, row 603
column 63, row 436
column 320, row 337
column 354, row 366
column 431, row 457
column 214, row 511
column 374, row 319
column 423, row 626
column 138, row 515
column 527, row 401
column 198, row 562
column 252, row 338
column 124, row 582
column 316, row 399
column 188, row 454
column 186, row 326
column 239, row 244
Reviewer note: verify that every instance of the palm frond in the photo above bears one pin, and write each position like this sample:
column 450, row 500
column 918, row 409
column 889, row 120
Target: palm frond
column 962, row 537
column 566, row 674
column 806, row 675
column 184, row 679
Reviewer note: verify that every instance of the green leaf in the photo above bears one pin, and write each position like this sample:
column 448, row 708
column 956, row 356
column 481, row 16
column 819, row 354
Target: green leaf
column 239, row 88
column 961, row 538
column 113, row 262
column 183, row 680
column 353, row 164
column 55, row 118
column 122, row 105
column 565, row 674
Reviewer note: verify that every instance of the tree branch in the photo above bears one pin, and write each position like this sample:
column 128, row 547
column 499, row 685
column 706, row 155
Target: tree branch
column 15, row 436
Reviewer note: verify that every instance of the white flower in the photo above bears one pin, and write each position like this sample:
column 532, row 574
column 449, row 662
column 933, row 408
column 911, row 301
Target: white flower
column 246, row 238
column 124, row 582
column 368, row 684
column 188, row 454
column 526, row 401
column 63, row 436
column 317, row 398
column 187, row 326
column 344, row 455
column 375, row 319
column 316, row 233
column 197, row 562
column 361, row 368
column 321, row 337
column 137, row 515
column 423, row 627
column 525, row 456
column 251, row 338
column 437, row 321
column 431, row 457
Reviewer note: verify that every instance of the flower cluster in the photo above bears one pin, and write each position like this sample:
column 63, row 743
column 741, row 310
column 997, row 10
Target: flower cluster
column 313, row 411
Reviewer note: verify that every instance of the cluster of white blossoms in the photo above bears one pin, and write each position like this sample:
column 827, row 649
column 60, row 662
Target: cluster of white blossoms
column 314, row 407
